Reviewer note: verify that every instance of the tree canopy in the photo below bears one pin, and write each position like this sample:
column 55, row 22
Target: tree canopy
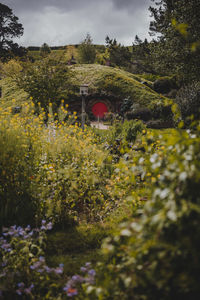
column 9, row 28
column 86, row 50
column 178, row 28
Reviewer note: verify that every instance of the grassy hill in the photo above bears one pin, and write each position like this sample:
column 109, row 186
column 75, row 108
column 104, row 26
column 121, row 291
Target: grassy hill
column 102, row 80
column 116, row 82
column 12, row 95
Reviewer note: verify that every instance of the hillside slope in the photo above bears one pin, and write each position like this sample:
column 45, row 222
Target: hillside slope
column 101, row 80
column 116, row 82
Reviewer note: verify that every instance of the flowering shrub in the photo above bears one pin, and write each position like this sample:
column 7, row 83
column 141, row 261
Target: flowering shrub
column 54, row 171
column 74, row 285
column 23, row 269
column 19, row 159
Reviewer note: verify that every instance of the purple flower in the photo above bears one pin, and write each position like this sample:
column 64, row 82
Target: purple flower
column 4, row 264
column 28, row 228
column 83, row 269
column 36, row 265
column 20, row 284
column 28, row 290
column 49, row 226
column 40, row 270
column 58, row 270
column 88, row 264
column 92, row 272
column 5, row 246
column 42, row 259
column 47, row 269
column 18, row 292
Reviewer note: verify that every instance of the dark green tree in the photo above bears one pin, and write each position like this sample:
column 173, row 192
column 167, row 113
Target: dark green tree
column 45, row 50
column 141, row 56
column 119, row 55
column 86, row 51
column 9, row 28
column 176, row 24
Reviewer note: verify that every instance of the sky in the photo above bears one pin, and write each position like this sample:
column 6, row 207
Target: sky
column 64, row 22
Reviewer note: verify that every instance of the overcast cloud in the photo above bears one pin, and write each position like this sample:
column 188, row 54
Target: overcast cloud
column 62, row 22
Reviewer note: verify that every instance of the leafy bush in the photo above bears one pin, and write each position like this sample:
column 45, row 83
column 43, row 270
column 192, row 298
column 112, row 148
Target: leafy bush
column 127, row 131
column 72, row 176
column 156, row 254
column 18, row 165
column 144, row 114
column 46, row 80
column 162, row 111
column 188, row 100
column 164, row 85
column 54, row 171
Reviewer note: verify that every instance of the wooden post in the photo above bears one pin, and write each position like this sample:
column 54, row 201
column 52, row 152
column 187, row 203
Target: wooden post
column 83, row 112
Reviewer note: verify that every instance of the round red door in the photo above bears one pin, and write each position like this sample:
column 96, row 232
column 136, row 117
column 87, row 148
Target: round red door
column 99, row 109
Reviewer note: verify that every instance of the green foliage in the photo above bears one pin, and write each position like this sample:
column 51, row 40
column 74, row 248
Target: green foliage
column 73, row 178
column 188, row 100
column 10, row 28
column 111, row 82
column 177, row 23
column 116, row 54
column 126, row 131
column 155, row 255
column 141, row 56
column 86, row 51
column 45, row 50
column 53, row 171
column 45, row 81
column 12, row 95
column 18, row 163
column 164, row 85
column 23, row 268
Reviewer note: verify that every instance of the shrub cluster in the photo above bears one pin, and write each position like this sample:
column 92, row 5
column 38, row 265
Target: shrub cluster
column 188, row 100
column 164, row 85
column 55, row 171
column 156, row 254
column 23, row 269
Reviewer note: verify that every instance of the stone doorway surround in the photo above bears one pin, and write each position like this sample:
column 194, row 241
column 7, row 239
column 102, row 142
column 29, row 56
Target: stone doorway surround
column 112, row 102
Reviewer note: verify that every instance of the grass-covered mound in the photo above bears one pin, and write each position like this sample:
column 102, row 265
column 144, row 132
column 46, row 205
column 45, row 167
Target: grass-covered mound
column 116, row 82
column 102, row 80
